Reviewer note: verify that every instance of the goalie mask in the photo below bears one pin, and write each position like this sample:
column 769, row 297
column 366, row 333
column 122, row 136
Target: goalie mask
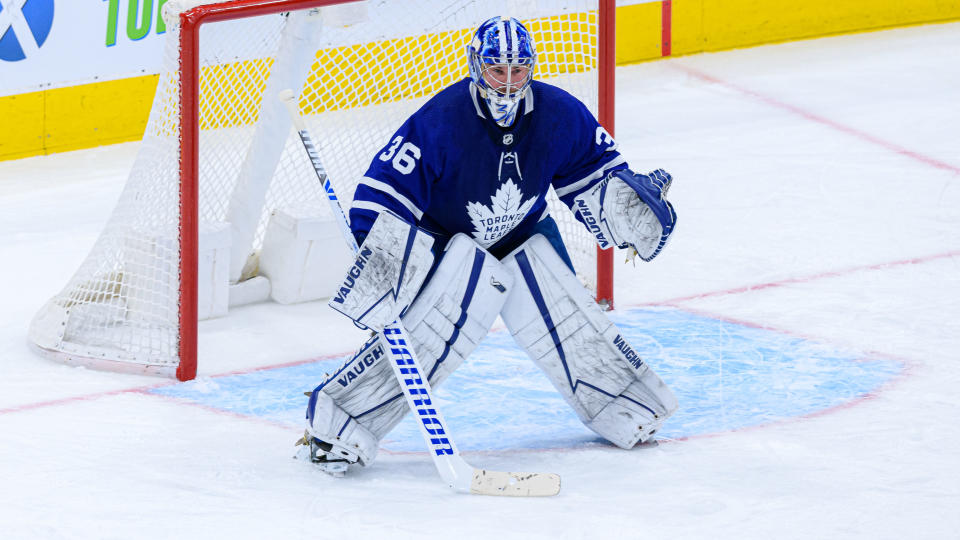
column 501, row 57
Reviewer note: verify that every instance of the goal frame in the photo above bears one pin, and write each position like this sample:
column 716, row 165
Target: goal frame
column 191, row 21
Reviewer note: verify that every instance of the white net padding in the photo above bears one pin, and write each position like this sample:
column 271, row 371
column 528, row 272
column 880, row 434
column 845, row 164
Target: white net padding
column 121, row 308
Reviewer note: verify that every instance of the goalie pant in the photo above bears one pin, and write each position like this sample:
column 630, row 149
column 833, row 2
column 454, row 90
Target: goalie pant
column 550, row 315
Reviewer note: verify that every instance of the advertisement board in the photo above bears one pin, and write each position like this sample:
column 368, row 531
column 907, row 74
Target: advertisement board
column 47, row 44
column 82, row 73
column 53, row 43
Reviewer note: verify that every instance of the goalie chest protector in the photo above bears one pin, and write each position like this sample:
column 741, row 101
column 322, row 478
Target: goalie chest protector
column 453, row 170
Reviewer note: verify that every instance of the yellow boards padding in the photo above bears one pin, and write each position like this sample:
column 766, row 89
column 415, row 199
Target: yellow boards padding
column 21, row 125
column 713, row 25
column 100, row 113
column 75, row 117
column 639, row 31
column 121, row 107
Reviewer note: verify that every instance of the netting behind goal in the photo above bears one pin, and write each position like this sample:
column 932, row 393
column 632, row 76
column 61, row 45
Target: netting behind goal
column 359, row 70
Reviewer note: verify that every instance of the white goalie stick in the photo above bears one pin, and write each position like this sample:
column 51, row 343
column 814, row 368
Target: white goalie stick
column 458, row 474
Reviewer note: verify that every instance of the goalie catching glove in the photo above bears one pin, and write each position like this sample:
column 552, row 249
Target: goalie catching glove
column 629, row 210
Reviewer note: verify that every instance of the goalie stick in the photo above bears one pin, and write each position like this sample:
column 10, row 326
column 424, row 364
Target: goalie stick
column 458, row 474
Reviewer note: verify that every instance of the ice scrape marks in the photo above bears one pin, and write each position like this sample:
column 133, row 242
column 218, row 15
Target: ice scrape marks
column 726, row 376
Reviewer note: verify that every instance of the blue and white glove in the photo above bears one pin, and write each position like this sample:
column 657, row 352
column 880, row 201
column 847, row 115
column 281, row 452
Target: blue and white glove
column 389, row 270
column 629, row 210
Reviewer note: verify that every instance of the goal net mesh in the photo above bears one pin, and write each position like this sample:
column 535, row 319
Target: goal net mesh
column 364, row 77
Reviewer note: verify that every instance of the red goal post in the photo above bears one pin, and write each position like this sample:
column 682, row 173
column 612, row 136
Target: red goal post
column 214, row 114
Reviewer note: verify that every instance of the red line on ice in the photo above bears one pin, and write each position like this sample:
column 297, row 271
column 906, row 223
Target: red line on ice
column 822, row 120
column 146, row 389
column 74, row 399
column 805, row 279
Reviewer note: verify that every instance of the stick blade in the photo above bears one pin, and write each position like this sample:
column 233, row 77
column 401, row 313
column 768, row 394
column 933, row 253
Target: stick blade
column 510, row 484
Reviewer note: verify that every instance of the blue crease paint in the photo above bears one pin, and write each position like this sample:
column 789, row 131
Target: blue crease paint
column 726, row 376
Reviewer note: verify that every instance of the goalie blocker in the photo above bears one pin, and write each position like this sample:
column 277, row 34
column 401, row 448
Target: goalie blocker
column 389, row 270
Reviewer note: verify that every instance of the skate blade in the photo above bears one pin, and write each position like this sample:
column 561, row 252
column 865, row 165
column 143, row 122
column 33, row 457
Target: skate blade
column 334, row 468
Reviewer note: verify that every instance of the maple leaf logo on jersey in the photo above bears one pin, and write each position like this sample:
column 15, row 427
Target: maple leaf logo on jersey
column 506, row 211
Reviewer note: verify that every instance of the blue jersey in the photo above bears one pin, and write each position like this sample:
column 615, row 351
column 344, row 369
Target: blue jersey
column 451, row 169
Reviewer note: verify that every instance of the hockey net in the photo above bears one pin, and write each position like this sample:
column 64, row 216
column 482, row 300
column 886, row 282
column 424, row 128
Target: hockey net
column 215, row 180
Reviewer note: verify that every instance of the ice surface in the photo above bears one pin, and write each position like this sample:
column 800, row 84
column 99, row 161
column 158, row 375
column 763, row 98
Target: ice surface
column 807, row 312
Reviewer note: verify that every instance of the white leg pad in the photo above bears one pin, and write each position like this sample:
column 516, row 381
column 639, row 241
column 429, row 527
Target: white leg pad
column 360, row 403
column 350, row 440
column 551, row 315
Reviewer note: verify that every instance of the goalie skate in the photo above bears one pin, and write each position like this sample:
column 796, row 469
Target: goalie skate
column 331, row 460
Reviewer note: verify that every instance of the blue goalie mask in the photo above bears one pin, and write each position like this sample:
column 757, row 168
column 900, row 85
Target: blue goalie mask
column 501, row 57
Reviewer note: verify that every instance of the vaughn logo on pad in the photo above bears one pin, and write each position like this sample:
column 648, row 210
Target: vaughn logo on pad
column 362, row 257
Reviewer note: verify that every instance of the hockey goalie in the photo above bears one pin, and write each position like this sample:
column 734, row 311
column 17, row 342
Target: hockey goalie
column 454, row 230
